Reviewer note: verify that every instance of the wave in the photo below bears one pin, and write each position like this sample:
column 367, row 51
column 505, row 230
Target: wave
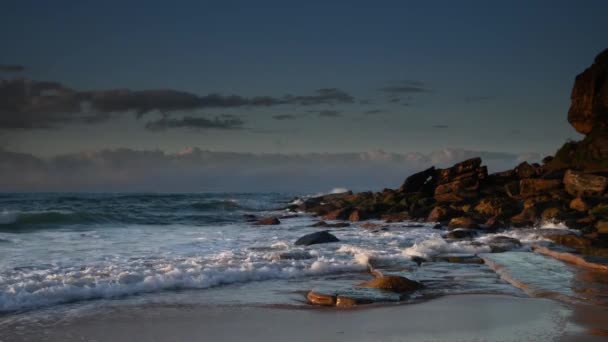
column 25, row 289
column 8, row 218
column 218, row 205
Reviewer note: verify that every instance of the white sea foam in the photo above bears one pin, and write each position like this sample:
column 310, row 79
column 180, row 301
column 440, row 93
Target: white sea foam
column 435, row 245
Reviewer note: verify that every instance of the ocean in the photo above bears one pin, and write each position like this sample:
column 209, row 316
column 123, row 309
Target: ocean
column 61, row 252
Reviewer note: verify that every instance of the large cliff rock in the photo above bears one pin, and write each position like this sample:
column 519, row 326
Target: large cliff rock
column 589, row 108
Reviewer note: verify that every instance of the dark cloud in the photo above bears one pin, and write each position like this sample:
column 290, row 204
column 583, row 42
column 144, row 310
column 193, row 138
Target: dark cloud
column 284, row 117
column 328, row 96
column 405, row 87
column 11, row 68
column 374, row 111
column 330, row 113
column 197, row 123
column 194, row 169
column 440, row 126
column 473, row 99
column 26, row 104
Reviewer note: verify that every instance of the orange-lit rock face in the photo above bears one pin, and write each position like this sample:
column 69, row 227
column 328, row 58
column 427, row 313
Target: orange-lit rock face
column 589, row 108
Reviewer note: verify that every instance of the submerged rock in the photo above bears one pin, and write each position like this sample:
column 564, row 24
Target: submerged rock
column 459, row 259
column 461, row 234
column 501, row 243
column 463, row 222
column 392, row 283
column 316, row 238
column 317, row 298
column 268, row 221
column 570, row 240
column 331, row 225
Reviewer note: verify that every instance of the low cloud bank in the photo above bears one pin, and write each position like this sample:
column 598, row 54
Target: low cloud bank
column 194, row 170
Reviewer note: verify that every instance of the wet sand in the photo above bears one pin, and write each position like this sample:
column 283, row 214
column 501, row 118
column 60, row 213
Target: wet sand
column 453, row 318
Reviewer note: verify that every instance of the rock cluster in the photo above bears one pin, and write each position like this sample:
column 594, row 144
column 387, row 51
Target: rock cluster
column 569, row 188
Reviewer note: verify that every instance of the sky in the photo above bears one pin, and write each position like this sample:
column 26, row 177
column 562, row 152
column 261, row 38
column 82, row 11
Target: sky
column 269, row 80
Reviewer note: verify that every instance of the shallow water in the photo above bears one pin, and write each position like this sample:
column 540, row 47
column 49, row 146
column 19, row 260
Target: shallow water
column 63, row 252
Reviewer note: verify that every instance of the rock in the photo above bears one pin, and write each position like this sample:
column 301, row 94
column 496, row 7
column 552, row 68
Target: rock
column 268, row 221
column 461, row 234
column 316, row 238
column 601, row 227
column 423, row 181
column 497, row 207
column 589, row 107
column 357, row 215
column 527, row 218
column 457, row 191
column 294, row 255
column 441, row 213
column 579, row 204
column 324, row 224
column 465, row 167
column 525, row 170
column 493, row 223
column 338, row 214
column 582, row 184
column 533, row 186
column 369, row 225
column 459, row 259
column 392, row 283
column 396, row 217
column 317, row 298
column 551, row 215
column 570, row 240
column 501, row 243
column 512, row 189
column 463, row 222
column 250, row 218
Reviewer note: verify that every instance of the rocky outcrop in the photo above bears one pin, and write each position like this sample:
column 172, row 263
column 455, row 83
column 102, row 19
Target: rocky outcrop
column 570, row 187
column 316, row 238
column 589, row 107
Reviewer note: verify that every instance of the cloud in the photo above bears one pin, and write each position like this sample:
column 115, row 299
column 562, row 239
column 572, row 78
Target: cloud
column 374, row 111
column 405, row 87
column 330, row 113
column 196, row 123
column 194, row 169
column 284, row 117
column 11, row 68
column 440, row 126
column 27, row 104
column 328, row 96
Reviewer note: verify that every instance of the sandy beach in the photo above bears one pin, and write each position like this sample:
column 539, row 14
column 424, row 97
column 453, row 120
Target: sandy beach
column 453, row 318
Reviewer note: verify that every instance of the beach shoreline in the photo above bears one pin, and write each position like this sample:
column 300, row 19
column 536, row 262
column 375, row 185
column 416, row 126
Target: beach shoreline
column 450, row 318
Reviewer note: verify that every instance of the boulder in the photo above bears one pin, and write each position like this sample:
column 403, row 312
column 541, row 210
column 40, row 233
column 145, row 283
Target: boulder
column 395, row 217
column 348, row 302
column 601, row 227
column 322, row 299
column 552, row 214
column 497, row 207
column 392, row 283
column 316, row 238
column 463, row 222
column 579, row 204
column 525, row 170
column 467, row 167
column 423, row 181
column 457, row 191
column 268, row 221
column 441, row 213
column 461, row 234
column 583, row 184
column 512, row 189
column 527, row 218
column 338, row 214
column 570, row 240
column 534, row 186
column 589, row 107
column 358, row 215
